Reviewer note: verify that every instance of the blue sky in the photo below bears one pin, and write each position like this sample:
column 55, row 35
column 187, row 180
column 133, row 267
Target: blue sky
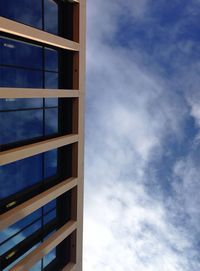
column 142, row 184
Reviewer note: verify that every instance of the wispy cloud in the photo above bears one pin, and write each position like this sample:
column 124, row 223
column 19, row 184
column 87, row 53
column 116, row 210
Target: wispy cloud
column 135, row 117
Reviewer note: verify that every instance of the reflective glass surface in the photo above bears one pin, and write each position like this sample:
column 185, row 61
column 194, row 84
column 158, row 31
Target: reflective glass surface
column 51, row 102
column 20, row 237
column 51, row 16
column 51, row 80
column 50, row 216
column 22, row 178
column 18, row 124
column 34, row 268
column 21, row 78
column 17, row 227
column 41, row 14
column 51, row 121
column 50, row 163
column 13, row 104
column 51, row 60
column 51, row 205
column 22, row 65
column 21, row 54
column 27, row 12
column 21, row 125
column 49, row 257
column 28, row 227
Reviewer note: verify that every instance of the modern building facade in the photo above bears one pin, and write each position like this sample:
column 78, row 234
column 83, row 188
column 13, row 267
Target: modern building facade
column 42, row 90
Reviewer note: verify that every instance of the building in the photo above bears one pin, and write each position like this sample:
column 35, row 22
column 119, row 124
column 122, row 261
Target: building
column 42, row 74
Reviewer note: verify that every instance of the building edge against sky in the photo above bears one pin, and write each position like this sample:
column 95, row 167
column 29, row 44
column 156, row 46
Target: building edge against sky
column 42, row 93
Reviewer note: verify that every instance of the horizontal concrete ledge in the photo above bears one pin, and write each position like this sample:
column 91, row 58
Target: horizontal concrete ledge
column 32, row 33
column 74, row 1
column 9, row 218
column 37, row 254
column 70, row 267
column 22, row 152
column 12, row 93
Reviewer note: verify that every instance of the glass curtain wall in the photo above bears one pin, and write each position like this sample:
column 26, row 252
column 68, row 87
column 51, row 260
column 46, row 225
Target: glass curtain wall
column 29, row 64
column 51, row 16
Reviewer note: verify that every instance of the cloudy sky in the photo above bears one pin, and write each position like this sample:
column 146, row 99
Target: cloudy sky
column 142, row 181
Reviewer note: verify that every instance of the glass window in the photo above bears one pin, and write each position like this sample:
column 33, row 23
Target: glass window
column 50, row 163
column 20, row 237
column 15, row 228
column 25, row 228
column 51, row 102
column 50, row 216
column 20, row 258
column 51, row 80
column 21, row 54
column 27, row 12
column 51, row 16
column 23, row 179
column 51, row 60
column 31, row 13
column 51, row 205
column 21, row 125
column 22, row 78
column 13, row 104
column 51, row 121
column 49, row 258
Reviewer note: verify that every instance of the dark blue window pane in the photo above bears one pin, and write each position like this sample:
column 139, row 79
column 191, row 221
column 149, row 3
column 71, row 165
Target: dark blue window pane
column 12, row 104
column 50, row 168
column 51, row 102
column 49, row 257
column 16, row 77
column 24, row 172
column 51, row 205
column 20, row 225
column 50, row 216
column 51, row 121
column 51, row 60
column 24, row 11
column 20, row 237
column 20, row 125
column 21, row 54
column 51, row 16
column 51, row 80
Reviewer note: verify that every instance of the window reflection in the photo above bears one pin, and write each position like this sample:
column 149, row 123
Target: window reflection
column 45, row 17
column 20, row 125
column 49, row 257
column 23, row 179
column 51, row 205
column 20, row 237
column 31, row 226
column 50, row 216
column 28, row 12
column 50, row 163
column 51, row 80
column 51, row 102
column 16, row 77
column 15, row 228
column 13, row 104
column 51, row 16
column 21, row 54
column 51, row 121
column 20, row 258
column 51, row 60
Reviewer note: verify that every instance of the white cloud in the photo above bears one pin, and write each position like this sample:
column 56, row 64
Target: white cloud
column 131, row 111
